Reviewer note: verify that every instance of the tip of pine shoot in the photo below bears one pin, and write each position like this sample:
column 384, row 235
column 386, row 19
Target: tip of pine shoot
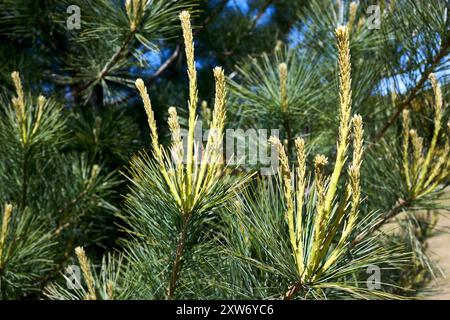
column 185, row 16
column 357, row 119
column 15, row 75
column 218, row 71
column 139, row 82
column 282, row 67
column 172, row 110
column 320, row 160
column 432, row 77
column 341, row 31
column 274, row 140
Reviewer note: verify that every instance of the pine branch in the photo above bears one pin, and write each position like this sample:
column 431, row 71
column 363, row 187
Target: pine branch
column 115, row 58
column 55, row 271
column 166, row 64
column 110, row 64
column 293, row 290
column 178, row 260
column 66, row 207
column 23, row 200
column 260, row 13
column 396, row 209
column 162, row 68
column 171, row 59
column 413, row 93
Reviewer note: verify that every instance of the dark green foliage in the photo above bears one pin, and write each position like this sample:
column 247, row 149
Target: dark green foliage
column 26, row 256
column 60, row 198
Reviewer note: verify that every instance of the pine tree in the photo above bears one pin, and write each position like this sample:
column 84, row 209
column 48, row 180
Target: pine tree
column 357, row 89
column 52, row 197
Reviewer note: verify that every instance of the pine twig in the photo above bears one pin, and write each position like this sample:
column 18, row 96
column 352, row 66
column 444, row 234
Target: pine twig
column 177, row 260
column 261, row 12
column 110, row 64
column 171, row 59
column 292, row 291
column 413, row 93
column 396, row 209
column 23, row 201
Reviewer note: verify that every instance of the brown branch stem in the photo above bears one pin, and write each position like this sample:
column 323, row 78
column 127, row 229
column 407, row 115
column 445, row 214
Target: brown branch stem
column 292, row 291
column 412, row 94
column 111, row 63
column 178, row 260
column 393, row 212
column 23, row 201
column 288, row 129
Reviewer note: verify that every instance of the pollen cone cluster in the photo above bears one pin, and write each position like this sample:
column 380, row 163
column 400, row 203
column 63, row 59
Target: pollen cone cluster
column 314, row 254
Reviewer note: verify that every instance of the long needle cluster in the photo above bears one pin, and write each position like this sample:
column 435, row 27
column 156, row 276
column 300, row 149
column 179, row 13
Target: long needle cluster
column 314, row 253
column 424, row 171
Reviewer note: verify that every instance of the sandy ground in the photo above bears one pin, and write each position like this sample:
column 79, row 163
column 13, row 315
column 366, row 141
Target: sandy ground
column 439, row 246
column 439, row 249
